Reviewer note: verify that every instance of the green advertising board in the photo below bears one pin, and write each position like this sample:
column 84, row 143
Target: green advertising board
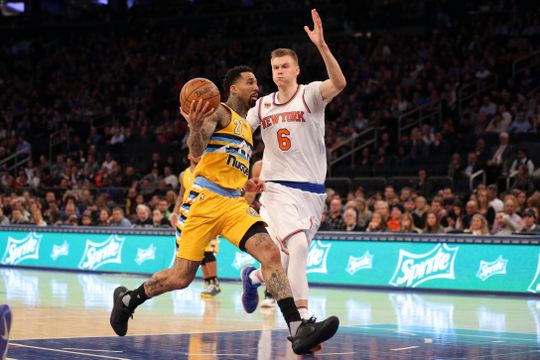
column 464, row 265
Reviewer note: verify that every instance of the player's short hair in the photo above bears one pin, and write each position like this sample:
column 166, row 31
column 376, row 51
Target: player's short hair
column 233, row 75
column 284, row 52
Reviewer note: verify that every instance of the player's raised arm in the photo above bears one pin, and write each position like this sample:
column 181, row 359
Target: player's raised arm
column 336, row 81
column 202, row 123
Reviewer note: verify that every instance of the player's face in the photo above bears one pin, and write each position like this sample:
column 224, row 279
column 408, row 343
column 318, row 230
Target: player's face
column 247, row 88
column 284, row 70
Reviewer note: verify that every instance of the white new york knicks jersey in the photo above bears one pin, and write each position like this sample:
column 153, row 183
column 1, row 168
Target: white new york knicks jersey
column 293, row 134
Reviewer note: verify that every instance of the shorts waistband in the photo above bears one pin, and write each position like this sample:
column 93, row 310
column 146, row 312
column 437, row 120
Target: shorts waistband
column 218, row 189
column 305, row 186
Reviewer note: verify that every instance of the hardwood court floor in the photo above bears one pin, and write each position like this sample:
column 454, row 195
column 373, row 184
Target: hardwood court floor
column 60, row 315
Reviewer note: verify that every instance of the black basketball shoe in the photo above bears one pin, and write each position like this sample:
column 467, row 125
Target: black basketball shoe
column 120, row 313
column 310, row 334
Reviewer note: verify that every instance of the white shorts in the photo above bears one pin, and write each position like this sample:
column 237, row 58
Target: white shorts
column 288, row 211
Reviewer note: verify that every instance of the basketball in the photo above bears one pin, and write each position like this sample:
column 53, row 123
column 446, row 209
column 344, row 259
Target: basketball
column 199, row 88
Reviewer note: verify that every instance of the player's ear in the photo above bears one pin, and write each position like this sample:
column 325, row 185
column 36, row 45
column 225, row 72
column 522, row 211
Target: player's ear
column 233, row 89
column 297, row 70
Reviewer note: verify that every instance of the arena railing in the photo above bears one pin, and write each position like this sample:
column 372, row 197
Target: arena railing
column 356, row 143
column 474, row 89
column 12, row 162
column 431, row 113
column 525, row 63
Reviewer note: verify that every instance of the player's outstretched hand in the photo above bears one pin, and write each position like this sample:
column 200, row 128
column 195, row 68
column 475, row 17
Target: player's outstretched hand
column 254, row 185
column 198, row 111
column 316, row 35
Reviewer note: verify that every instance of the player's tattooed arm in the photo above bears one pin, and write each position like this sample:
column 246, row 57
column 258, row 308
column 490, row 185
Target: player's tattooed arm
column 202, row 124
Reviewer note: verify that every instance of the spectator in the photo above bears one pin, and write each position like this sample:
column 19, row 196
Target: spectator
column 350, row 220
column 394, row 222
column 336, row 219
column 118, row 219
column 86, row 219
column 494, row 201
column 17, row 218
column 484, row 206
column 4, row 220
column 498, row 163
column 37, row 217
column 158, row 220
column 364, row 214
column 432, row 224
column 326, row 225
column 377, row 223
column 169, row 178
column 420, row 213
column 529, row 222
column 522, row 159
column 479, row 225
column 104, row 217
column 504, row 225
column 143, row 216
column 523, row 181
column 407, row 224
column 471, row 208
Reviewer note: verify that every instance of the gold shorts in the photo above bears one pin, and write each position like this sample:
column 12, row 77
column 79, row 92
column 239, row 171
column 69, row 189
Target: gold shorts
column 205, row 215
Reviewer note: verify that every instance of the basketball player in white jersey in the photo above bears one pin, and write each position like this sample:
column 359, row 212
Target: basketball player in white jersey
column 294, row 162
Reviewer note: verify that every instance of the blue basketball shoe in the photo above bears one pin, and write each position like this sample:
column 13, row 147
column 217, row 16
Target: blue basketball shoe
column 250, row 295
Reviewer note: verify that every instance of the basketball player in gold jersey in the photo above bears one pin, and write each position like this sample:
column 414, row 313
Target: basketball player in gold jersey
column 208, row 264
column 215, row 206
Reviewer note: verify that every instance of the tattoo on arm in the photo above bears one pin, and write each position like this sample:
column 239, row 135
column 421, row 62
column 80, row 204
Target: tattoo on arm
column 198, row 139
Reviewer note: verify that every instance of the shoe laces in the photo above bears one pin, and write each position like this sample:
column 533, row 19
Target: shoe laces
column 311, row 320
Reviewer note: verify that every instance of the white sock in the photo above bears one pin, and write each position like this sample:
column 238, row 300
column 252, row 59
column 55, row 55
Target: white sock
column 304, row 314
column 256, row 277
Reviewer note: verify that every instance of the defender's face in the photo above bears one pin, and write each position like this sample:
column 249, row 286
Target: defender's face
column 284, row 70
column 246, row 88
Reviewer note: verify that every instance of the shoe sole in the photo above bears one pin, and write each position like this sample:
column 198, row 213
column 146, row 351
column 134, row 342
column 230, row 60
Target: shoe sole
column 209, row 296
column 118, row 292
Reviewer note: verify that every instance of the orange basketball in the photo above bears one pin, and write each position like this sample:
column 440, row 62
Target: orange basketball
column 199, row 88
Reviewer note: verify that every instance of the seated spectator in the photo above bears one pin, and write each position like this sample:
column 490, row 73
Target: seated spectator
column 420, row 211
column 523, row 181
column 432, row 224
column 522, row 159
column 520, row 124
column 407, row 224
column 498, row 124
column 118, row 219
column 484, row 206
column 471, row 208
column 394, row 222
column 159, row 220
column 381, row 207
column 529, row 222
column 479, row 225
column 326, row 225
column 17, row 218
column 377, row 223
column 335, row 215
column 364, row 214
column 37, row 217
column 504, row 225
column 86, row 219
column 494, row 201
column 4, row 220
column 143, row 218
column 104, row 217
column 350, row 220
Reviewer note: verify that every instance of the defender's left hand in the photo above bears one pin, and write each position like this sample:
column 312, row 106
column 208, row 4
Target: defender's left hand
column 255, row 185
column 316, row 35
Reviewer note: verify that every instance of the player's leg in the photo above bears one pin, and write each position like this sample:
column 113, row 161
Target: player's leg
column 305, row 334
column 298, row 247
column 125, row 302
column 210, row 275
column 5, row 327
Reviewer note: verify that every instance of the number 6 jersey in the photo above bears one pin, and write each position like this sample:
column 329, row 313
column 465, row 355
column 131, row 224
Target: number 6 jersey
column 293, row 134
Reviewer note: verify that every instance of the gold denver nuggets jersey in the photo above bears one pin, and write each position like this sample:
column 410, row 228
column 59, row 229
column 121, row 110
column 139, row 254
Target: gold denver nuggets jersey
column 225, row 160
column 187, row 181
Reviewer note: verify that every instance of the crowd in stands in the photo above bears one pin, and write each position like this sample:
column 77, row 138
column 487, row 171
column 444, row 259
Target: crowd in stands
column 113, row 96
